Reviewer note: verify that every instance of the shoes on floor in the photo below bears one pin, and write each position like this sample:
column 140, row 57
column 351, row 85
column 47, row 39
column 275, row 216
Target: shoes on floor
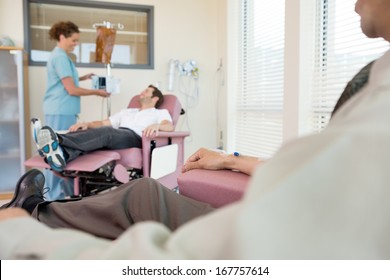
column 30, row 184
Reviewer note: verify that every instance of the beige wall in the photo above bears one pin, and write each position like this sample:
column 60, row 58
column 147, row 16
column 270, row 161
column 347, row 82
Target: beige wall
column 184, row 29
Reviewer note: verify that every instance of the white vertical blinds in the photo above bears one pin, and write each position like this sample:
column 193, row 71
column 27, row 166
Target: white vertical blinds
column 341, row 51
column 259, row 100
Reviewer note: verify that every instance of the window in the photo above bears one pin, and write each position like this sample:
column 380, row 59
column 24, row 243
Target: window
column 133, row 44
column 342, row 50
column 260, row 71
column 330, row 48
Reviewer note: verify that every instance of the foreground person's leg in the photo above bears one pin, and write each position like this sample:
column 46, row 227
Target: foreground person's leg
column 108, row 215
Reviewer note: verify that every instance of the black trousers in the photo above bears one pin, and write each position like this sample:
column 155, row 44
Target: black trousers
column 110, row 214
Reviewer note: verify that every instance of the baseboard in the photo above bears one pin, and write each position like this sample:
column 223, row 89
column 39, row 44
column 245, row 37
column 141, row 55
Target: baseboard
column 6, row 196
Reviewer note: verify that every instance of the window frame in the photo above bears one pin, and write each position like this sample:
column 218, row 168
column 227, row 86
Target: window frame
column 252, row 111
column 149, row 10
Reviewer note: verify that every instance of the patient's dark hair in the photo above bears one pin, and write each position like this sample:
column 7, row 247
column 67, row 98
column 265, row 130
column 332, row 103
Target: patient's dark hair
column 157, row 93
column 65, row 28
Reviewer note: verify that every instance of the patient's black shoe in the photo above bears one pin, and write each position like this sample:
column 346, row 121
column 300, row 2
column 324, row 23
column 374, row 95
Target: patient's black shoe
column 29, row 185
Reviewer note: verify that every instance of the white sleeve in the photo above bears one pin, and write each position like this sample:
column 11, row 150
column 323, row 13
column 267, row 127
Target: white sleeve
column 164, row 115
column 116, row 119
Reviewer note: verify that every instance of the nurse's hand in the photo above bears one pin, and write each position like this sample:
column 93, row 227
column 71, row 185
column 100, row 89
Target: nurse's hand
column 102, row 93
column 86, row 77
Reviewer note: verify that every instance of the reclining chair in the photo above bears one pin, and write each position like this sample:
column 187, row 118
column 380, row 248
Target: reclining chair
column 161, row 158
column 215, row 187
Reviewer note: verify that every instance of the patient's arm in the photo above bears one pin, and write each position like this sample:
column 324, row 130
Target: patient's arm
column 155, row 128
column 208, row 159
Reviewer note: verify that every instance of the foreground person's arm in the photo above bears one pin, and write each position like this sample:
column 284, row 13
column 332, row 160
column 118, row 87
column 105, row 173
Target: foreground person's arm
column 213, row 160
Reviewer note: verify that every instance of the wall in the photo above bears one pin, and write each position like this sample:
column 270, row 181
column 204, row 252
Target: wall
column 184, row 29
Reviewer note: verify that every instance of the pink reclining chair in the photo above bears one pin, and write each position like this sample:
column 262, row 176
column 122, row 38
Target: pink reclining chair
column 216, row 187
column 104, row 169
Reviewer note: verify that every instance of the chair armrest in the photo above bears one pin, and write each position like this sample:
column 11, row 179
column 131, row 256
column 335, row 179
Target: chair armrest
column 216, row 187
column 167, row 134
column 163, row 138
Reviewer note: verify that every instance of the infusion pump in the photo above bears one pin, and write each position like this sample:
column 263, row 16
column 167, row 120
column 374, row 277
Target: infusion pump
column 109, row 83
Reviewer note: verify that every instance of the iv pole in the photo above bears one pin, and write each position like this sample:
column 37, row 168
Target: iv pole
column 119, row 26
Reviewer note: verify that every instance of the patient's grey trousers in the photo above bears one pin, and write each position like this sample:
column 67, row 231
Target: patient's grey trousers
column 108, row 215
column 81, row 142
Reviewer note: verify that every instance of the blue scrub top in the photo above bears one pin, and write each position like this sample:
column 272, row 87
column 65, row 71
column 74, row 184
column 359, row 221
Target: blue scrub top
column 57, row 100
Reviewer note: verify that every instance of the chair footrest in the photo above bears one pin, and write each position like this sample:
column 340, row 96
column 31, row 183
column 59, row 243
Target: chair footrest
column 88, row 163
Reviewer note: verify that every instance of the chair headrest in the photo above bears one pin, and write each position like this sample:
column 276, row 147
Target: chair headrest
column 171, row 103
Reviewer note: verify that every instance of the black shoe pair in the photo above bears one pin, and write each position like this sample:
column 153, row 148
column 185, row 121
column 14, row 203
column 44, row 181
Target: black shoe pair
column 29, row 185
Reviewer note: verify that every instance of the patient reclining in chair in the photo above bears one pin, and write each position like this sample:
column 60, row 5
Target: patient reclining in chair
column 120, row 131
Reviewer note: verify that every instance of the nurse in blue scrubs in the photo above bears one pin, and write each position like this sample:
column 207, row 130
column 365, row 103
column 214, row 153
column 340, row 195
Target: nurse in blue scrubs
column 61, row 104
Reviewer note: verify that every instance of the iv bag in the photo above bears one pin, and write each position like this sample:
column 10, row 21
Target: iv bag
column 105, row 41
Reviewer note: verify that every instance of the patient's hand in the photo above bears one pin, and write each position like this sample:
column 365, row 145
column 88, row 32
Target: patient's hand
column 78, row 126
column 151, row 129
column 205, row 159
column 11, row 213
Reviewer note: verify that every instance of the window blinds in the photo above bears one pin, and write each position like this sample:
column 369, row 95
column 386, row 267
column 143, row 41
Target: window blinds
column 341, row 51
column 259, row 100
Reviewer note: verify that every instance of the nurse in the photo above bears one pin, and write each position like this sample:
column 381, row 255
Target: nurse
column 61, row 104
